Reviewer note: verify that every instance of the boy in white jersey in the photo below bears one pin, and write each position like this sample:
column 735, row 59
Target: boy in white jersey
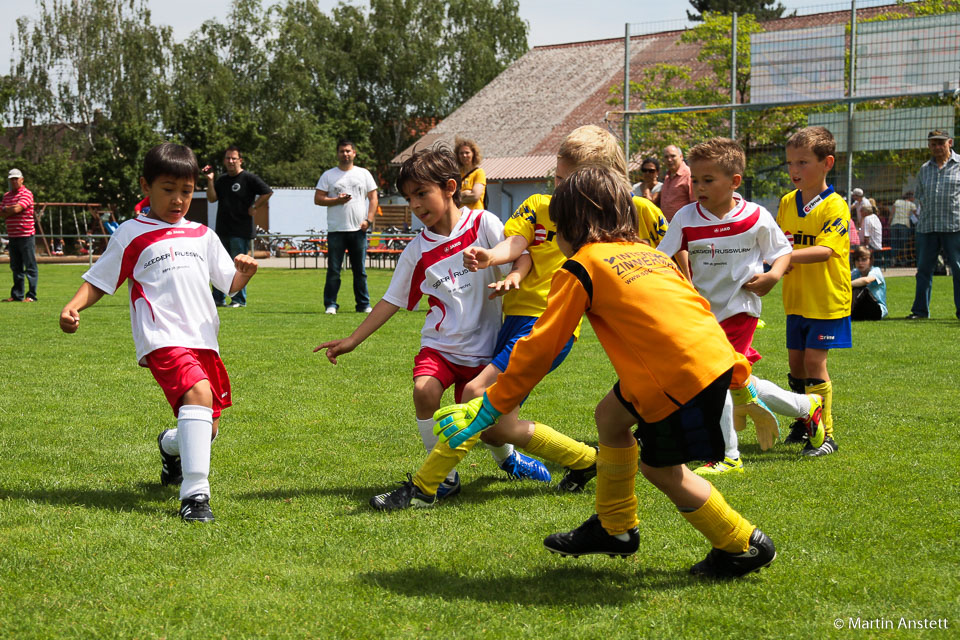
column 724, row 241
column 529, row 230
column 816, row 292
column 169, row 264
column 460, row 331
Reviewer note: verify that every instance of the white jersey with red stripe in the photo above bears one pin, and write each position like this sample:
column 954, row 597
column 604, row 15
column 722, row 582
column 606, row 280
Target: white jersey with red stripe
column 725, row 253
column 168, row 269
column 462, row 322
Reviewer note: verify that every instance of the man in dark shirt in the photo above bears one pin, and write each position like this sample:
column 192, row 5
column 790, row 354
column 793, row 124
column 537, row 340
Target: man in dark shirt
column 241, row 195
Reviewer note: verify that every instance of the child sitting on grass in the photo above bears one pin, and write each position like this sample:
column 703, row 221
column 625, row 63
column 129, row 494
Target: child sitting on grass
column 674, row 364
column 869, row 287
column 169, row 264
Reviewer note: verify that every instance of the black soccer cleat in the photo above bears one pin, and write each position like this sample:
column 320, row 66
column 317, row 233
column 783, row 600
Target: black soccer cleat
column 592, row 538
column 828, row 447
column 196, row 508
column 723, row 565
column 576, row 479
column 798, row 433
column 407, row 495
column 171, row 472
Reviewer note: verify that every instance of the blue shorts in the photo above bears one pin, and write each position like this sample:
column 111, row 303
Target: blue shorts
column 806, row 333
column 514, row 328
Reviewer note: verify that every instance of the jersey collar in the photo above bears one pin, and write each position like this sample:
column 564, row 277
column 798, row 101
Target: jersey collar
column 802, row 210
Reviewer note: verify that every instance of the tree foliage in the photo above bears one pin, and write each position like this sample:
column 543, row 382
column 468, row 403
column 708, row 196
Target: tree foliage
column 759, row 9
column 283, row 83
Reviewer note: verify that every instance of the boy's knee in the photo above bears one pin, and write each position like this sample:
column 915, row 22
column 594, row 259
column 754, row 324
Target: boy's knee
column 662, row 477
column 199, row 394
column 473, row 389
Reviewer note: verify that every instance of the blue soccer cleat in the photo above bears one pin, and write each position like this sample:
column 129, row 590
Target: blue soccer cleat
column 520, row 466
column 449, row 488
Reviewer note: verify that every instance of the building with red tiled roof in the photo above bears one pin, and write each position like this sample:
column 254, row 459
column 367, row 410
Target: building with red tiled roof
column 522, row 115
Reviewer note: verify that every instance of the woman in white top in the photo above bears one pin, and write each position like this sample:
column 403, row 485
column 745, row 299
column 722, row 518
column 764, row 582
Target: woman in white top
column 649, row 184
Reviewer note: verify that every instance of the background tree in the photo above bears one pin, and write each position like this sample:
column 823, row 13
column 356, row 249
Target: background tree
column 282, row 83
column 760, row 9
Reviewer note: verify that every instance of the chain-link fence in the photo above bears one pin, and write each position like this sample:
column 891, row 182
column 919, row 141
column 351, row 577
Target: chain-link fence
column 879, row 76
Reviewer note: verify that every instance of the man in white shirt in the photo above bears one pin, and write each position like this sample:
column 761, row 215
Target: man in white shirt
column 350, row 195
column 860, row 206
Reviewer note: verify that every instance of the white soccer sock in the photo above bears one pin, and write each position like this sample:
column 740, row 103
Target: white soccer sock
column 170, row 443
column 786, row 403
column 500, row 453
column 425, row 427
column 730, row 442
column 194, row 426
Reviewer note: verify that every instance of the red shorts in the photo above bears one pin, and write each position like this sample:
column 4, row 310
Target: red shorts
column 740, row 329
column 430, row 362
column 177, row 369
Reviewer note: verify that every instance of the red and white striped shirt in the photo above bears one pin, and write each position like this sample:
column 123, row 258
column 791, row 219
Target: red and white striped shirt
column 725, row 253
column 462, row 322
column 20, row 225
column 168, row 269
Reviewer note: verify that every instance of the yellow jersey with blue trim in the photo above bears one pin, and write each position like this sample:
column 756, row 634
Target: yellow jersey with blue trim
column 652, row 223
column 820, row 290
column 532, row 221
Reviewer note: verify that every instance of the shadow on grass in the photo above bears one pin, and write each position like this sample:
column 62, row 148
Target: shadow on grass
column 544, row 587
column 472, row 492
column 144, row 498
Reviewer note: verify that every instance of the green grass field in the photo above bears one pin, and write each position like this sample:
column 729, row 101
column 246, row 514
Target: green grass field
column 90, row 546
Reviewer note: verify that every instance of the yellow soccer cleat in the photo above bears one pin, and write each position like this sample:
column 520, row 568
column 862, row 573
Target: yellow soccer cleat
column 720, row 467
column 747, row 403
column 814, row 421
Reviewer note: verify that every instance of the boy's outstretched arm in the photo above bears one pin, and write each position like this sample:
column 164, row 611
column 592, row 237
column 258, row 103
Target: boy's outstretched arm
column 246, row 267
column 86, row 296
column 382, row 312
column 521, row 267
column 476, row 258
column 811, row 255
column 762, row 283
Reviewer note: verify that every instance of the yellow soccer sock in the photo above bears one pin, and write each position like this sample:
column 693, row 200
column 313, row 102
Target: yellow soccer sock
column 616, row 499
column 723, row 527
column 824, row 389
column 441, row 461
column 549, row 444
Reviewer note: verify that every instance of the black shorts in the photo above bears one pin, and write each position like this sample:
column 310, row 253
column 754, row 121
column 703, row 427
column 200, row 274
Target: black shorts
column 692, row 432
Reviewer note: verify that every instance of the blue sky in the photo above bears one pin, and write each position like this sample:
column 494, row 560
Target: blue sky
column 551, row 21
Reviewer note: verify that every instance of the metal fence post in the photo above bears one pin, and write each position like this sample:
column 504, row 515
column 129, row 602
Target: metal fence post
column 733, row 76
column 626, row 94
column 851, row 84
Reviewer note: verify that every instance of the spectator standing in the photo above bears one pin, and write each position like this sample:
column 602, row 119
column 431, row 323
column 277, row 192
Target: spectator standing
column 860, row 206
column 349, row 214
column 649, row 185
column 872, row 231
column 938, row 194
column 677, row 189
column 473, row 178
column 17, row 211
column 241, row 195
column 904, row 208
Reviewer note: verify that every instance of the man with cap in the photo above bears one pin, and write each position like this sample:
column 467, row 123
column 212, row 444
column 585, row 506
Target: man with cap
column 17, row 211
column 860, row 206
column 938, row 194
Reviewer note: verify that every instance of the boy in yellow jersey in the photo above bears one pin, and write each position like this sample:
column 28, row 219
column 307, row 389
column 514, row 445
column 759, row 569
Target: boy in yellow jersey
column 816, row 291
column 674, row 370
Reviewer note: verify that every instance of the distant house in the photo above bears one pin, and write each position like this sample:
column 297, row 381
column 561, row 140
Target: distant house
column 520, row 118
